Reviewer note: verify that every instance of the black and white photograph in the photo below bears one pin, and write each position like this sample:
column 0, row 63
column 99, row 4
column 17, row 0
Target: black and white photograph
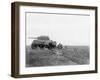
column 57, row 39
column 53, row 39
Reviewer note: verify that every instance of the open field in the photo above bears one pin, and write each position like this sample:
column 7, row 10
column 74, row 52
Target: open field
column 70, row 55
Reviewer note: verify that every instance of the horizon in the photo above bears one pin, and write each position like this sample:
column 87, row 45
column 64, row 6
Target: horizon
column 64, row 29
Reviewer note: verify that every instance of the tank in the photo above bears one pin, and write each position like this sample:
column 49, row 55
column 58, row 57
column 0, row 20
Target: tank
column 43, row 42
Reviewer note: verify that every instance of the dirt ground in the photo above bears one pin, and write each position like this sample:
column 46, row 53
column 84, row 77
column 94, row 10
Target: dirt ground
column 69, row 55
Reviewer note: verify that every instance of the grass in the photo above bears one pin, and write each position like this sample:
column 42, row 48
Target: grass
column 71, row 55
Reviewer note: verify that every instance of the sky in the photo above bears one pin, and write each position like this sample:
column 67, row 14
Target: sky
column 65, row 29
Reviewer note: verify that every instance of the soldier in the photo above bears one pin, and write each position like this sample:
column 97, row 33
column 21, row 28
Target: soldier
column 60, row 46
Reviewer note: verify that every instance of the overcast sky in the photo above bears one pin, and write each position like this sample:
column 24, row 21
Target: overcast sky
column 65, row 29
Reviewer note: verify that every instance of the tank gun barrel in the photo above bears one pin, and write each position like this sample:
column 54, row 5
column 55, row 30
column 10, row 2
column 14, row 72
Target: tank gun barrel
column 32, row 37
column 40, row 38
